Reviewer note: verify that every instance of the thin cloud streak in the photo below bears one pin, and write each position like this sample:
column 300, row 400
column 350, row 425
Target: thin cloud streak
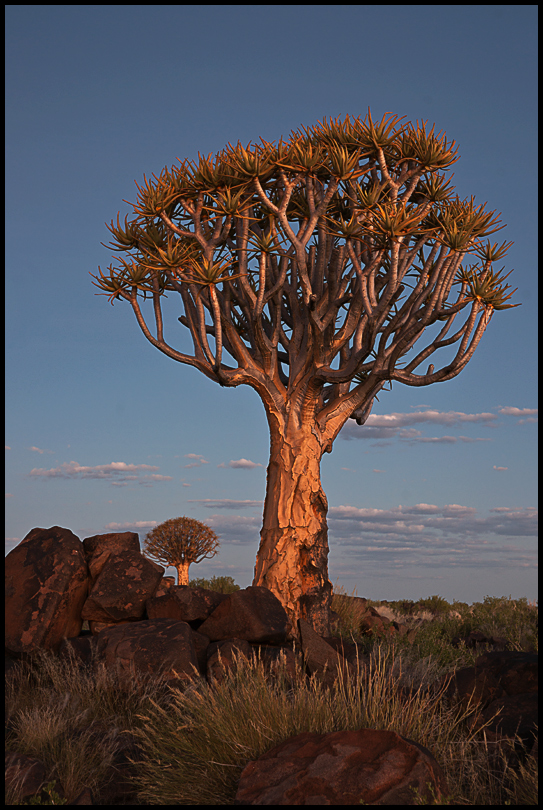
column 398, row 425
column 226, row 503
column 518, row 411
column 131, row 525
column 198, row 460
column 118, row 472
column 426, row 536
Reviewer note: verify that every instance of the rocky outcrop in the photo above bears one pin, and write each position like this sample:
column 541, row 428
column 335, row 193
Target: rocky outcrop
column 143, row 624
column 344, row 767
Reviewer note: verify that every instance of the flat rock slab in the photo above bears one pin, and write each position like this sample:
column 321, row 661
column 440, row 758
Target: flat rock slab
column 343, row 767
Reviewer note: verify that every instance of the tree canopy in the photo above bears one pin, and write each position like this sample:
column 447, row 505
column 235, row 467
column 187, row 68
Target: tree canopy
column 345, row 239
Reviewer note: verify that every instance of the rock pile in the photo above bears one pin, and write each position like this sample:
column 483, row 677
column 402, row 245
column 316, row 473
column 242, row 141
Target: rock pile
column 141, row 622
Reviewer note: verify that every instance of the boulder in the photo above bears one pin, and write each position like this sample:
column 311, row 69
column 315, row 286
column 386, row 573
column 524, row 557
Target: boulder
column 160, row 646
column 46, row 587
column 253, row 614
column 25, row 776
column 321, row 658
column 343, row 767
column 502, row 688
column 477, row 637
column 223, row 655
column 121, row 589
column 113, row 541
column 184, row 603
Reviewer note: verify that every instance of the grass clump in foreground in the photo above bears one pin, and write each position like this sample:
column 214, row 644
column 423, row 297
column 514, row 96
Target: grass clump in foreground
column 192, row 744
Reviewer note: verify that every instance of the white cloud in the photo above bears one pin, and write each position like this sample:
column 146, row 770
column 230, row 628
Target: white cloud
column 7, row 447
column 499, row 468
column 427, row 536
column 37, row 450
column 137, row 524
column 453, row 518
column 436, row 417
column 392, row 425
column 226, row 503
column 518, row 411
column 198, row 460
column 241, row 464
column 118, row 472
column 9, row 495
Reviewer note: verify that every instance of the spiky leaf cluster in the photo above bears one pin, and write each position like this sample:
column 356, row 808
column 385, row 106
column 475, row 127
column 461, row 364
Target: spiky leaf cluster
column 327, row 254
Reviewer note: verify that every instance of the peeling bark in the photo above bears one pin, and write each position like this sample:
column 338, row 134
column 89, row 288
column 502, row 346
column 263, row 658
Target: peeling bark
column 292, row 559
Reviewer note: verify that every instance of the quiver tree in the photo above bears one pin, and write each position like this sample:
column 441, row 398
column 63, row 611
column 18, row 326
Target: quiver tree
column 310, row 270
column 180, row 542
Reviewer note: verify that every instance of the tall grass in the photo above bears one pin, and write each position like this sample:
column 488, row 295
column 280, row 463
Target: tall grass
column 191, row 744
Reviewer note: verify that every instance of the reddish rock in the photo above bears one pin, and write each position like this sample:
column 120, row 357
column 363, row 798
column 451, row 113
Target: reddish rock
column 280, row 661
column 166, row 584
column 114, row 541
column 343, row 767
column 320, row 657
column 123, row 586
column 372, row 623
column 224, row 655
column 184, row 603
column 46, row 587
column 253, row 614
column 159, row 646
column 25, row 776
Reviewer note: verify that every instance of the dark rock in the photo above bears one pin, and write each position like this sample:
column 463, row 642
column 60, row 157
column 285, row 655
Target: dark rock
column 114, row 542
column 253, row 614
column 160, row 646
column 120, row 591
column 46, row 587
column 223, row 655
column 343, row 767
column 321, row 658
column 184, row 603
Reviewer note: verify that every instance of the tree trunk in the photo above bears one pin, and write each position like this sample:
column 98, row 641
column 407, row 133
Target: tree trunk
column 183, row 573
column 292, row 559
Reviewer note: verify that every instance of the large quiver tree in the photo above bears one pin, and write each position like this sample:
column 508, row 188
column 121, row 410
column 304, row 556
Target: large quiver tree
column 309, row 270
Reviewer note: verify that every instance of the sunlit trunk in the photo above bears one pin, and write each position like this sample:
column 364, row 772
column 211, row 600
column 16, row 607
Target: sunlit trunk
column 183, row 573
column 292, row 559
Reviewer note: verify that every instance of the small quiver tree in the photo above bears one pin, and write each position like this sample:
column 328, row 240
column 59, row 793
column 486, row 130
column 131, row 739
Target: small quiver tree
column 180, row 542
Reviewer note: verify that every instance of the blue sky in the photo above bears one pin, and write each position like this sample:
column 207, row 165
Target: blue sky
column 436, row 494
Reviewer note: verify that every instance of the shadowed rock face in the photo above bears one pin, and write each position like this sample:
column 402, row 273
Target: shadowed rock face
column 122, row 587
column 46, row 587
column 138, row 646
column 253, row 614
column 342, row 767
